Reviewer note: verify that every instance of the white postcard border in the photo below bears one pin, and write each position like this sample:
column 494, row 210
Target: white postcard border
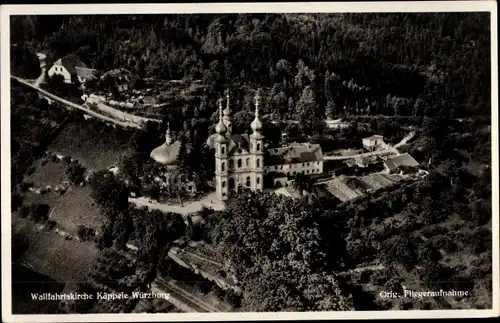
column 414, row 6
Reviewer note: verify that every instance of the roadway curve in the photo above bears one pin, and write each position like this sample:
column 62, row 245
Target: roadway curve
column 76, row 106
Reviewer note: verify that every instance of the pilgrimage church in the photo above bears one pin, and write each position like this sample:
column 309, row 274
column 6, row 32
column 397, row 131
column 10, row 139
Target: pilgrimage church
column 241, row 160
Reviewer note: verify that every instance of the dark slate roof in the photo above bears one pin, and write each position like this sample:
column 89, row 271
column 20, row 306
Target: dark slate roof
column 401, row 160
column 236, row 141
column 239, row 141
column 294, row 153
column 70, row 63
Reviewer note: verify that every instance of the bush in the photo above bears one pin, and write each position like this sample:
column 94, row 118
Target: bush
column 39, row 212
column 445, row 243
column 85, row 233
column 25, row 186
column 67, row 159
column 75, row 173
column 24, row 211
column 16, row 201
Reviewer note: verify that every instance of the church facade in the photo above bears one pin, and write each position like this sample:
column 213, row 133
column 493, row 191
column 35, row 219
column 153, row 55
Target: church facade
column 241, row 160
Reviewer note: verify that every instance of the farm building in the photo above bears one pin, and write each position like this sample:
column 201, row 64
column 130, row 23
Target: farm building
column 72, row 69
column 393, row 164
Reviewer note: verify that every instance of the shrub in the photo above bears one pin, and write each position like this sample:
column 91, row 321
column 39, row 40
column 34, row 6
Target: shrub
column 445, row 243
column 75, row 173
column 25, row 186
column 24, row 211
column 67, row 159
column 16, row 201
column 39, row 212
column 85, row 233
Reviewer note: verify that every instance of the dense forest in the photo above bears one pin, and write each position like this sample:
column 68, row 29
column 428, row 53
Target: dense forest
column 423, row 64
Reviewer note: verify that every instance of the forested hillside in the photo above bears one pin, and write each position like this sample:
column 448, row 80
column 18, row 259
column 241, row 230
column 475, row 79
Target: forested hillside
column 423, row 64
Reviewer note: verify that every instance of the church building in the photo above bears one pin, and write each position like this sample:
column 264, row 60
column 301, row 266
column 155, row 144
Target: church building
column 240, row 158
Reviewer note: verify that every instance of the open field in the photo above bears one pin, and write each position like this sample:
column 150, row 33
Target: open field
column 48, row 173
column 92, row 144
column 52, row 255
column 75, row 207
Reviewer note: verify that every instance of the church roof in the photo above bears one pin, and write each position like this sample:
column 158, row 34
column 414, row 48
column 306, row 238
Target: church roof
column 294, row 153
column 235, row 141
column 167, row 154
column 239, row 141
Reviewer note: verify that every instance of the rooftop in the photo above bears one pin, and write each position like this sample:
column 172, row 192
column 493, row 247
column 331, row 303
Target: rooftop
column 293, row 153
column 401, row 160
column 70, row 63
column 374, row 137
column 167, row 154
column 288, row 191
column 86, row 73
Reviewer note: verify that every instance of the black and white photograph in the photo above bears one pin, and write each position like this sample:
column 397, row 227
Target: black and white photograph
column 230, row 158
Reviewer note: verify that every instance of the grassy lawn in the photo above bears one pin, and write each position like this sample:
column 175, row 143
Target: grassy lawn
column 52, row 255
column 94, row 145
column 48, row 173
column 74, row 208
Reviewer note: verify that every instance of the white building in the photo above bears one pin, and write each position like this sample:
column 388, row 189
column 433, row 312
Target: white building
column 243, row 160
column 373, row 142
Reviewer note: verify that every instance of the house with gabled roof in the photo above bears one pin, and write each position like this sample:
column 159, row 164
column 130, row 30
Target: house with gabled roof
column 71, row 68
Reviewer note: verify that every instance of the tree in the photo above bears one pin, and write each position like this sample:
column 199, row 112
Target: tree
column 75, row 173
column 270, row 242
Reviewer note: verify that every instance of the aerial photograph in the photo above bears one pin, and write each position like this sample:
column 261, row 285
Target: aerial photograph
column 250, row 162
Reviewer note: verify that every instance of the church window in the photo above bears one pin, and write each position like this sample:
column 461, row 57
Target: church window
column 281, row 166
column 303, row 164
column 239, row 163
column 258, row 147
column 308, row 164
column 223, row 194
column 223, row 150
column 258, row 162
column 223, row 166
column 231, row 164
column 247, row 162
column 248, row 181
column 258, row 180
column 223, row 183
